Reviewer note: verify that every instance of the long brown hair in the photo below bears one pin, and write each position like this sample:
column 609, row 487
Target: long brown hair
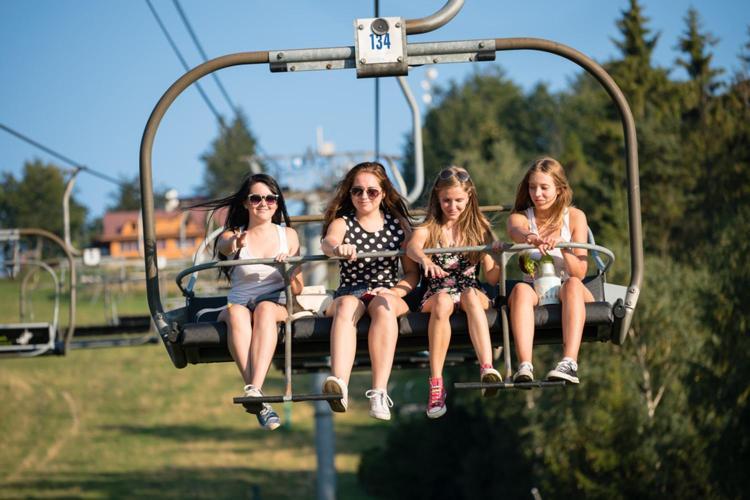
column 475, row 228
column 341, row 204
column 554, row 169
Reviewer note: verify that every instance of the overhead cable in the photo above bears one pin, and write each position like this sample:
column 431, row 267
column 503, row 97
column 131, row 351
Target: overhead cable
column 203, row 53
column 208, row 102
column 60, row 156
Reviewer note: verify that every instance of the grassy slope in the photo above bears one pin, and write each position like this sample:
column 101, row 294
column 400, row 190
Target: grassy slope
column 124, row 423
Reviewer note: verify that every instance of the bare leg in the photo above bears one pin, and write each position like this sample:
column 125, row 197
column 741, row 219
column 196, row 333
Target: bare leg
column 347, row 311
column 440, row 306
column 240, row 334
column 475, row 303
column 384, row 311
column 522, row 300
column 573, row 296
column 266, row 318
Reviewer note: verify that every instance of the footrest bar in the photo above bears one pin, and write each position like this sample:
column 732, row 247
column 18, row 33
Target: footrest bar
column 540, row 384
column 242, row 400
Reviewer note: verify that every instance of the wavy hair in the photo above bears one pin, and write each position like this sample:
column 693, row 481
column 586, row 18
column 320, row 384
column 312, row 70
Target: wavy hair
column 237, row 213
column 341, row 204
column 554, row 169
column 475, row 228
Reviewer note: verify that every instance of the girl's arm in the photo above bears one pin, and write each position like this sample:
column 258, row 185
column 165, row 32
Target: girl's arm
column 415, row 251
column 332, row 243
column 230, row 241
column 576, row 262
column 411, row 270
column 519, row 232
column 293, row 242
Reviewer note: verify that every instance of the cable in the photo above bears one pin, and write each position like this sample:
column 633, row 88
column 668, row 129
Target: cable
column 203, row 53
column 208, row 102
column 60, row 156
column 216, row 79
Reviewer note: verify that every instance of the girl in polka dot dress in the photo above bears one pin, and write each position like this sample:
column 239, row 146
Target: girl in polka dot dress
column 367, row 215
column 454, row 220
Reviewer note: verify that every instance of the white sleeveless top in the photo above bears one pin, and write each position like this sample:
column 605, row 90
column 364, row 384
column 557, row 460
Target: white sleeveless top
column 555, row 253
column 250, row 281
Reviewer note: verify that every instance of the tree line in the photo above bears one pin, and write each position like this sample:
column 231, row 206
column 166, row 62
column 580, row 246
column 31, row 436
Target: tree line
column 666, row 414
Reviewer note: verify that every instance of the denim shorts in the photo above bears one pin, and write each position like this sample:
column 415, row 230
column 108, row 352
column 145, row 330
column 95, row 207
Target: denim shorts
column 361, row 291
column 277, row 297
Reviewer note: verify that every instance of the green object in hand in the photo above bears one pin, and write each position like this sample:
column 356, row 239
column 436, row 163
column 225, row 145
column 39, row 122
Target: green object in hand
column 526, row 263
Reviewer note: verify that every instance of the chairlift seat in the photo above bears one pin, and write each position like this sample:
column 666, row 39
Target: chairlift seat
column 205, row 341
column 28, row 338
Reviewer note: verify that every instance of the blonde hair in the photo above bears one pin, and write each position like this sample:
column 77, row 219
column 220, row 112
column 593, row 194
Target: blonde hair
column 554, row 169
column 474, row 227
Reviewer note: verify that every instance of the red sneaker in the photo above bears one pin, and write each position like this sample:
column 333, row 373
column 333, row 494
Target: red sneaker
column 436, row 405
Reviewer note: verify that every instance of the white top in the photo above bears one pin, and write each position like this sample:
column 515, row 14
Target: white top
column 555, row 253
column 253, row 280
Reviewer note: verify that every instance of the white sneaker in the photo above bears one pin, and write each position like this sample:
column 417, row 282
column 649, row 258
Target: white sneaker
column 525, row 373
column 489, row 375
column 380, row 404
column 334, row 385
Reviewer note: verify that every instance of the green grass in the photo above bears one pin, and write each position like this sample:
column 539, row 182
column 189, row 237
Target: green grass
column 122, row 422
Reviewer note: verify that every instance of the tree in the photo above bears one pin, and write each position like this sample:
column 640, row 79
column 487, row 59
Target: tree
column 226, row 163
column 128, row 195
column 35, row 200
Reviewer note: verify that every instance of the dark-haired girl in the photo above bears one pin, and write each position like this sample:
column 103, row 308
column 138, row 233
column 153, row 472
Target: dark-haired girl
column 367, row 215
column 256, row 302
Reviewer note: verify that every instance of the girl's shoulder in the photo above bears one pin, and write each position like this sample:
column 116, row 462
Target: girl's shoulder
column 576, row 215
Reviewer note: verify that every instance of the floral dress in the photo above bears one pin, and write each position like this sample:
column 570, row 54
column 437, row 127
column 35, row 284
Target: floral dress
column 462, row 274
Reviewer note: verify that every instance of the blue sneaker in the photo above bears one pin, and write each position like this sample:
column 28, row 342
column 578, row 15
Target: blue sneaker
column 267, row 418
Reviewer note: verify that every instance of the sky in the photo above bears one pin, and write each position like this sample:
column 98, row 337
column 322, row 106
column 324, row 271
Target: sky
column 82, row 76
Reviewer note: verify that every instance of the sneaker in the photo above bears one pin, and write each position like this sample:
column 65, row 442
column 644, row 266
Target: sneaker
column 436, row 405
column 524, row 374
column 380, row 404
column 267, row 418
column 567, row 369
column 489, row 375
column 334, row 385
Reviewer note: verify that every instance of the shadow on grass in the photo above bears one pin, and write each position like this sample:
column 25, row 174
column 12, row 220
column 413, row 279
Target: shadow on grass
column 185, row 482
column 193, row 432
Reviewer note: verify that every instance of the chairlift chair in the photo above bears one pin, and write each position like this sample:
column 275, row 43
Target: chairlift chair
column 188, row 341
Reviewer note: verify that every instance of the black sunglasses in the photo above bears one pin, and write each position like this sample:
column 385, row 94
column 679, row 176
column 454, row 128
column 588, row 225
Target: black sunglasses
column 270, row 199
column 461, row 175
column 359, row 191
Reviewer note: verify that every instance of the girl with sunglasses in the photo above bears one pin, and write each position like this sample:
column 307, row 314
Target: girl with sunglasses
column 257, row 301
column 543, row 216
column 454, row 220
column 366, row 215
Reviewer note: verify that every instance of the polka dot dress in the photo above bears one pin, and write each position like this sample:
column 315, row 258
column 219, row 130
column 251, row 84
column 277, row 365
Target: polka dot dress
column 372, row 272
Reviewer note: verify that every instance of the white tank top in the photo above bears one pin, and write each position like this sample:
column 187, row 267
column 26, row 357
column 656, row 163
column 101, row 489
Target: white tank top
column 253, row 280
column 556, row 253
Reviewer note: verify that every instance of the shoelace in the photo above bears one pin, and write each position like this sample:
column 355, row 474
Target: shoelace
column 385, row 399
column 436, row 395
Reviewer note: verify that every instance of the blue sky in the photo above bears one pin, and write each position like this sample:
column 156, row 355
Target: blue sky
column 82, row 76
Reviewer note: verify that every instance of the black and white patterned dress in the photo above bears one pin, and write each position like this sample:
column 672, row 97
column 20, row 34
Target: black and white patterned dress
column 364, row 274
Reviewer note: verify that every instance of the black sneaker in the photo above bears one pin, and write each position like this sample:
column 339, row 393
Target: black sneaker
column 565, row 370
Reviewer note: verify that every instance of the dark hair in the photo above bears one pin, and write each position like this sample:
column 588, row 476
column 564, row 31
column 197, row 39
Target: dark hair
column 341, row 204
column 237, row 214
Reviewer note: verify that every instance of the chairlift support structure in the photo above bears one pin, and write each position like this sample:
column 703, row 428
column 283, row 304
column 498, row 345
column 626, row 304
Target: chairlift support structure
column 197, row 343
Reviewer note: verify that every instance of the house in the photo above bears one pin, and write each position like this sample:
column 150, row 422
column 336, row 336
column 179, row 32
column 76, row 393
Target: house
column 179, row 233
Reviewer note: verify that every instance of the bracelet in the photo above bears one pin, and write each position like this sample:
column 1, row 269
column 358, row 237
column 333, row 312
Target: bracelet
column 527, row 235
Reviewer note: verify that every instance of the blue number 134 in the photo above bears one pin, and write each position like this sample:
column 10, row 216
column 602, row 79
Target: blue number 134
column 377, row 42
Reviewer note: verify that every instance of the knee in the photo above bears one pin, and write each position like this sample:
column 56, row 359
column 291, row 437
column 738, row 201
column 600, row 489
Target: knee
column 470, row 299
column 381, row 306
column 521, row 295
column 573, row 287
column 443, row 306
column 346, row 306
column 265, row 313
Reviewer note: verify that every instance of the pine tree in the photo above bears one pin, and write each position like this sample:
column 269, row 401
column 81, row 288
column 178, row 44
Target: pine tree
column 227, row 162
